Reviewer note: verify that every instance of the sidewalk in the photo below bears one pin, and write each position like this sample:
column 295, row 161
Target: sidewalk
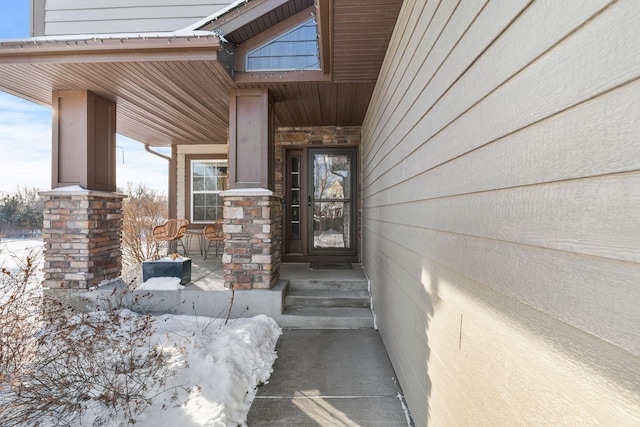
column 337, row 377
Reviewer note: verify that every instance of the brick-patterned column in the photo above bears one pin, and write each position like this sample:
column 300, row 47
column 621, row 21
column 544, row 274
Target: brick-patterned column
column 252, row 230
column 82, row 236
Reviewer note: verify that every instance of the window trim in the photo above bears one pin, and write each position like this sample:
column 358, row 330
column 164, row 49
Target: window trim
column 243, row 76
column 188, row 178
column 278, row 36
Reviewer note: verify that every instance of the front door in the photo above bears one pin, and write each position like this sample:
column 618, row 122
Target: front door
column 320, row 204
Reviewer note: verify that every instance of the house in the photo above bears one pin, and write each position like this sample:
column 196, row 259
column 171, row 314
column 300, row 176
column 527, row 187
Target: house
column 481, row 159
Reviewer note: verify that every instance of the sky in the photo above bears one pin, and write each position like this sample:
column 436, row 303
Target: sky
column 25, row 132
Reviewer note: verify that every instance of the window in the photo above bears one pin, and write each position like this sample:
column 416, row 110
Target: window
column 208, row 178
column 296, row 49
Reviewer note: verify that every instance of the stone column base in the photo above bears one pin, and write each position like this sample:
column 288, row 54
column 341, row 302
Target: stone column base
column 252, row 230
column 82, row 237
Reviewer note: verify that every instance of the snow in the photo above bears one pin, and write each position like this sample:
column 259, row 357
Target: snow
column 161, row 284
column 14, row 251
column 179, row 258
column 221, row 365
column 215, row 16
column 70, row 188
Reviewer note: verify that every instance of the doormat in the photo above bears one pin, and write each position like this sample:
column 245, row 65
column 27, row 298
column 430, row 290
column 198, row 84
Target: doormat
column 329, row 266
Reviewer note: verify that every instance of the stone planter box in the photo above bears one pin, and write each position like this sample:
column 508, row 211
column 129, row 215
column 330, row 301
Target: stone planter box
column 180, row 268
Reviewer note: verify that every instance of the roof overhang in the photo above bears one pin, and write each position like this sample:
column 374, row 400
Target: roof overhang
column 236, row 15
column 109, row 49
column 170, row 89
column 173, row 88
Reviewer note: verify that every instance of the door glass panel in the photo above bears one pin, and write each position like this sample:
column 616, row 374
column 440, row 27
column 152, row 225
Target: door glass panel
column 331, row 225
column 294, row 229
column 332, row 176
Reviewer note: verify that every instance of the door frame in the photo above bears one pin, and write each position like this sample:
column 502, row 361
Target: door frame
column 303, row 255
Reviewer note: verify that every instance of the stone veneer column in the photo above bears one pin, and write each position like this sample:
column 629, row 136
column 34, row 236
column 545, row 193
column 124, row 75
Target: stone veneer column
column 252, row 229
column 82, row 236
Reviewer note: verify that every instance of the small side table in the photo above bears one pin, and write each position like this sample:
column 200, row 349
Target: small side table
column 189, row 235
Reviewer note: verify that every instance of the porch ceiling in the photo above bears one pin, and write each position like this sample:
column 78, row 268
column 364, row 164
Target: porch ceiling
column 172, row 89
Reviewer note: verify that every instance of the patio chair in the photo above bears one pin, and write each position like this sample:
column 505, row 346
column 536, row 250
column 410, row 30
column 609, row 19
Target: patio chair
column 213, row 233
column 172, row 231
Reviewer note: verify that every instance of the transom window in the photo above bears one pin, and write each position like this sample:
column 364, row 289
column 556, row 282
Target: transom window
column 208, row 178
column 296, row 49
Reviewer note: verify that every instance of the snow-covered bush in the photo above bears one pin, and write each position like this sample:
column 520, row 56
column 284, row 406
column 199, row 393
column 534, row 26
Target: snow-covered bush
column 19, row 322
column 115, row 367
column 58, row 366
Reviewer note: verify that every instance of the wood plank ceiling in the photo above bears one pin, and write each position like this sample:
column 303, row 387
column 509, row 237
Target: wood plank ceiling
column 179, row 94
column 176, row 96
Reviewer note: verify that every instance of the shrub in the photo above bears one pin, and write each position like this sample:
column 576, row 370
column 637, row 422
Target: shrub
column 142, row 210
column 59, row 366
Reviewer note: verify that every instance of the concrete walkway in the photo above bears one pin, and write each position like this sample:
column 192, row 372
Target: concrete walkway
column 326, row 377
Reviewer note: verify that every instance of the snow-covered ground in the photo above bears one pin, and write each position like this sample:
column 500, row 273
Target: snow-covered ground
column 14, row 251
column 221, row 365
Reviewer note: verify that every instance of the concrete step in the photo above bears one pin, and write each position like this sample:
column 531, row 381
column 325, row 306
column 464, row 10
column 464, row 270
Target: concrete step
column 332, row 298
column 328, row 284
column 326, row 318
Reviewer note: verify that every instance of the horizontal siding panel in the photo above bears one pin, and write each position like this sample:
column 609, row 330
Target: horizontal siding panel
column 117, row 27
column 492, row 20
column 409, row 16
column 478, row 341
column 566, row 146
column 108, row 4
column 408, row 343
column 547, row 215
column 501, row 91
column 64, row 17
column 596, row 295
column 500, row 182
column 441, row 34
column 169, row 12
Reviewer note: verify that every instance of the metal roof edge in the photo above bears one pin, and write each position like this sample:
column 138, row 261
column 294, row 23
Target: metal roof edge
column 214, row 16
column 109, row 36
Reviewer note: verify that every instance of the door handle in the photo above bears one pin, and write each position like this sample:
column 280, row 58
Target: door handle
column 309, row 201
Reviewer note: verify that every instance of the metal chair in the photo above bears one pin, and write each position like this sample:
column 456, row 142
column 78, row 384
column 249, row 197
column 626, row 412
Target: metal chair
column 213, row 233
column 172, row 231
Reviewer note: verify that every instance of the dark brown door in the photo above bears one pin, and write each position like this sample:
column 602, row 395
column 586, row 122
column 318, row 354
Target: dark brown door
column 320, row 209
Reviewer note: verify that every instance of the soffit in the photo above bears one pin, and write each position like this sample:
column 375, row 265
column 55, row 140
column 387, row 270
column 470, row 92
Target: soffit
column 361, row 33
column 174, row 94
column 174, row 91
column 319, row 104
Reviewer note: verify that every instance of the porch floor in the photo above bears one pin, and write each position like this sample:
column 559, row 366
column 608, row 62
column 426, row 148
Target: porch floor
column 303, row 298
column 208, row 275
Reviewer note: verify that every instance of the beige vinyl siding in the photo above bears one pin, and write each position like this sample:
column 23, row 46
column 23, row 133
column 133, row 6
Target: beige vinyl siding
column 63, row 17
column 501, row 211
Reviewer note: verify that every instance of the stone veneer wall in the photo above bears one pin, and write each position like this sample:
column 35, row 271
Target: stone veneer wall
column 252, row 229
column 82, row 236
